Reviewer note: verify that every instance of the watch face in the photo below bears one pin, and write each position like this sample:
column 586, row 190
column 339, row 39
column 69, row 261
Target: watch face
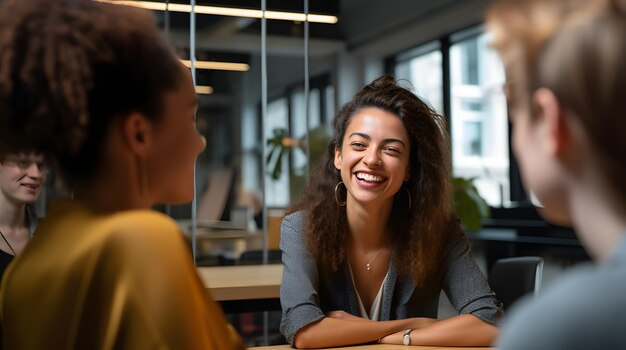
column 406, row 339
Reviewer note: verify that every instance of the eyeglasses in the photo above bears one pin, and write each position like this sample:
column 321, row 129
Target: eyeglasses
column 25, row 163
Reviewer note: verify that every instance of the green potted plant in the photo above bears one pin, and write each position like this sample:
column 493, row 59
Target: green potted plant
column 281, row 142
column 468, row 204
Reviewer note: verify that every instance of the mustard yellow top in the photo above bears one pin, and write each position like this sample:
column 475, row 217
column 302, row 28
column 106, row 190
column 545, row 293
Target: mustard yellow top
column 108, row 281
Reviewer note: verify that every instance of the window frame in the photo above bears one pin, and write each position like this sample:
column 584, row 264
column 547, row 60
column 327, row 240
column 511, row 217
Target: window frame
column 520, row 213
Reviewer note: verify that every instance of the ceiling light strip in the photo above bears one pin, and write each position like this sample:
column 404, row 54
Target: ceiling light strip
column 204, row 89
column 231, row 66
column 229, row 11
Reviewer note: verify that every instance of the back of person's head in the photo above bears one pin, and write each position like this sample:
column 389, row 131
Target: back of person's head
column 68, row 68
column 521, row 28
column 576, row 49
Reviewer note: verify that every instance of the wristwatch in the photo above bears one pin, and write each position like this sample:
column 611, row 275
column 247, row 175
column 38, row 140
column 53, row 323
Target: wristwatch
column 406, row 339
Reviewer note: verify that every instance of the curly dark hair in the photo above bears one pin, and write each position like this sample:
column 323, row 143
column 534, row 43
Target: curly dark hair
column 416, row 235
column 68, row 68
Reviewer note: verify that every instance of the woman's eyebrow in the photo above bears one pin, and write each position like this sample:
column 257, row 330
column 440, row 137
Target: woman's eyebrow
column 367, row 137
column 360, row 134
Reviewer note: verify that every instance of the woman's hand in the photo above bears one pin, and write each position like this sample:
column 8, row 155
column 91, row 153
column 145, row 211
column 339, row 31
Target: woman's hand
column 393, row 338
column 462, row 330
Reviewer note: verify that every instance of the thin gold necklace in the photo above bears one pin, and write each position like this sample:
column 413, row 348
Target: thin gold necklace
column 13, row 250
column 368, row 266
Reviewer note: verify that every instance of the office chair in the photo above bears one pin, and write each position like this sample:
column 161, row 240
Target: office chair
column 512, row 278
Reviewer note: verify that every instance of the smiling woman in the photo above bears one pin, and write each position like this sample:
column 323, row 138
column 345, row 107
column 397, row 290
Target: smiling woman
column 373, row 238
column 375, row 159
column 21, row 178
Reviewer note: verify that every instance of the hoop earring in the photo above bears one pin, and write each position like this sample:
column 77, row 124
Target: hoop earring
column 409, row 196
column 143, row 177
column 341, row 204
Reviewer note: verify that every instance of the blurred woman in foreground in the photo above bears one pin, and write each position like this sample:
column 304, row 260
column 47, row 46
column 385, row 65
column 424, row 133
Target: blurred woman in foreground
column 98, row 85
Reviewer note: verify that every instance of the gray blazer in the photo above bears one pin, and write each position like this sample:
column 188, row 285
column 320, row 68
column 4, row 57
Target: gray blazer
column 583, row 310
column 308, row 291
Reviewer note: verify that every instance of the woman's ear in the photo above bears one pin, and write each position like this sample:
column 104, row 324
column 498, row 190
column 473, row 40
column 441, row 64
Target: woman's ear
column 137, row 132
column 552, row 122
column 337, row 158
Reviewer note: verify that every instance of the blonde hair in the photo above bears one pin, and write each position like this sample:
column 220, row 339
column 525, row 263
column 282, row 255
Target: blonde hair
column 575, row 48
column 520, row 29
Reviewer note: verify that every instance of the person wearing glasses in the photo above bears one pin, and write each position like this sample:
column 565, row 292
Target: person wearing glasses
column 22, row 174
column 100, row 87
column 566, row 87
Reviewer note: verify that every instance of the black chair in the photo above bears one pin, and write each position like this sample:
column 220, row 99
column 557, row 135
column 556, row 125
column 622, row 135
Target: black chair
column 512, row 278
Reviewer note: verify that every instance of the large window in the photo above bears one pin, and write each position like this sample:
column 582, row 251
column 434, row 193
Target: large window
column 462, row 77
column 422, row 67
column 478, row 120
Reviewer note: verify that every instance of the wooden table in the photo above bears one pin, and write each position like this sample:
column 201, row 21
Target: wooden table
column 244, row 288
column 378, row 347
column 221, row 238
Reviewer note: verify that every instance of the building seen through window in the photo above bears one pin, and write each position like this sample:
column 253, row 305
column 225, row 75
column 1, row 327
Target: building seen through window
column 476, row 107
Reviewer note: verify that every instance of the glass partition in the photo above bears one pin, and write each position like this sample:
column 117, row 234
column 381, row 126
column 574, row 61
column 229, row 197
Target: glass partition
column 254, row 166
column 241, row 189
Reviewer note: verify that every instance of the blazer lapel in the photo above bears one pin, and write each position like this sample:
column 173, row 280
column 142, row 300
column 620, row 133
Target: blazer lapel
column 353, row 302
column 398, row 289
column 390, row 285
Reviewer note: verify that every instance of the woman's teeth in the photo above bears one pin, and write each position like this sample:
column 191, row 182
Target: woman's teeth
column 369, row 177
